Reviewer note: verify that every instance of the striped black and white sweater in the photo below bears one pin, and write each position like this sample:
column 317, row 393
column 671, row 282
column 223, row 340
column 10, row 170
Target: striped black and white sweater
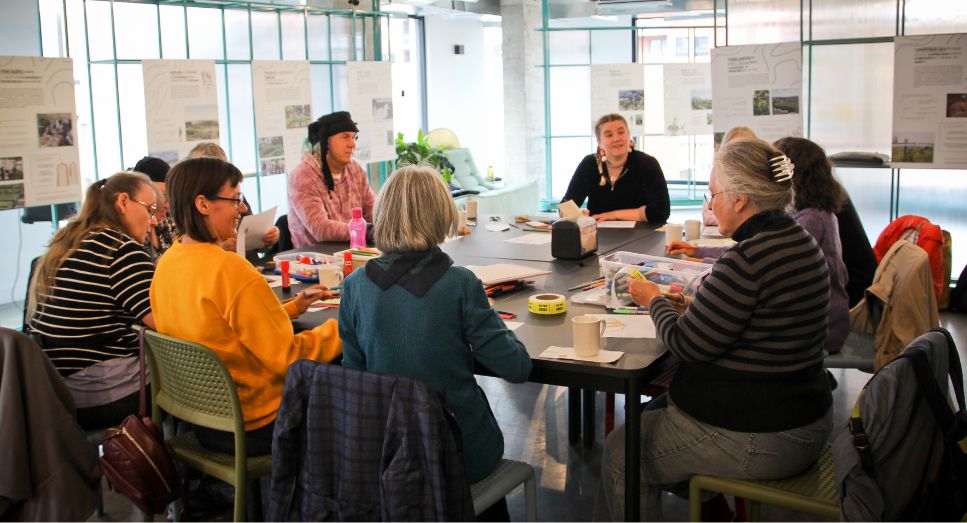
column 98, row 293
column 751, row 342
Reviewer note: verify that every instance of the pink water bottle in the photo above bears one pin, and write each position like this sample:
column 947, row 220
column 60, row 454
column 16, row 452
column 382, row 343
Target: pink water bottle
column 357, row 229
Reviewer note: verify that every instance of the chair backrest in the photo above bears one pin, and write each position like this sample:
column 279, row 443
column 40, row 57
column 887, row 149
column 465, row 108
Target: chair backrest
column 465, row 172
column 27, row 297
column 190, row 382
column 888, row 458
column 285, row 237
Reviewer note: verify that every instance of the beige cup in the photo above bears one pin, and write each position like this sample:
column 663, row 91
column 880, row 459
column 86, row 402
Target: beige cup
column 693, row 229
column 330, row 275
column 588, row 332
column 471, row 209
column 463, row 221
column 673, row 233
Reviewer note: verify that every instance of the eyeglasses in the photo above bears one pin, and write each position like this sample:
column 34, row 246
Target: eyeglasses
column 709, row 196
column 237, row 201
column 152, row 208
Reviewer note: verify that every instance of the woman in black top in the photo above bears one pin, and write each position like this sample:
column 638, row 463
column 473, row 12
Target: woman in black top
column 619, row 182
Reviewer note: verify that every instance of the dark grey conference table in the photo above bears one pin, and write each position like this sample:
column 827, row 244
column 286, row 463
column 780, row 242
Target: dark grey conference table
column 643, row 359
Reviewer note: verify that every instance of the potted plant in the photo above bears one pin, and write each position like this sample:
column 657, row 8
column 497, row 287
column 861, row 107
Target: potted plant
column 420, row 151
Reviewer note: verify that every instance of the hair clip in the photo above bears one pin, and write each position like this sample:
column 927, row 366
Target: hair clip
column 782, row 168
column 101, row 183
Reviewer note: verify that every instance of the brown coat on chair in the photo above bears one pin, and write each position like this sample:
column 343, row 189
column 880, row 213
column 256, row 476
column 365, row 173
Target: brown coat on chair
column 904, row 285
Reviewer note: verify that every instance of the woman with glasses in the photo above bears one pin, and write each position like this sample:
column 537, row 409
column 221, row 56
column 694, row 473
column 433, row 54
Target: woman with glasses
column 619, row 182
column 817, row 196
column 325, row 187
column 90, row 289
column 750, row 398
column 204, row 294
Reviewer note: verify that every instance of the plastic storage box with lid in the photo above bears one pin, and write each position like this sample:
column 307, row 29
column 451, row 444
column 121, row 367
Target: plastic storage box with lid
column 670, row 274
column 304, row 266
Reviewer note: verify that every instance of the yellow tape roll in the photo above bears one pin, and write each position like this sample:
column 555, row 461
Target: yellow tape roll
column 547, row 304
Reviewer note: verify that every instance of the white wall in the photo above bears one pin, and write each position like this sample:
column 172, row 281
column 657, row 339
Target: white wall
column 19, row 36
column 455, row 93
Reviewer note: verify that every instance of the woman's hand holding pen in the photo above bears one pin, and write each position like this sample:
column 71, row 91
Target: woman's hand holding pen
column 679, row 247
column 310, row 295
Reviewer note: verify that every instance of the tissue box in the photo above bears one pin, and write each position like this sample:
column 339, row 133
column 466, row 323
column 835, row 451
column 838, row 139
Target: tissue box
column 670, row 274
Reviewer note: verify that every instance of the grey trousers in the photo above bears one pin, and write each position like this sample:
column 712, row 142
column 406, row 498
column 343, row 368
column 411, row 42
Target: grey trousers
column 674, row 446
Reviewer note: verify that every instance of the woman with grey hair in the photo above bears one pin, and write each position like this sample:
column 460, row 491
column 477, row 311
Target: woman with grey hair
column 411, row 312
column 750, row 399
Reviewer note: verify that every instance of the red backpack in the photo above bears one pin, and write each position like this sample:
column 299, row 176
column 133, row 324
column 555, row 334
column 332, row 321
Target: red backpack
column 927, row 236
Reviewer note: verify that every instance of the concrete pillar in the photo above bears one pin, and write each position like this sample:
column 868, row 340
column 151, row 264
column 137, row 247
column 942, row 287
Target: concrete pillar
column 523, row 53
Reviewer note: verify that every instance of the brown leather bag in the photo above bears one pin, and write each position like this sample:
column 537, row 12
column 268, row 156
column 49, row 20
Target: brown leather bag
column 137, row 461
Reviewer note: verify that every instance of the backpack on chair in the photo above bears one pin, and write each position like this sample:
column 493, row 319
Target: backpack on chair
column 902, row 455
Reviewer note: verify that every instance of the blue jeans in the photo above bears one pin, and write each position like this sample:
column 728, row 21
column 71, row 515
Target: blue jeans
column 674, row 446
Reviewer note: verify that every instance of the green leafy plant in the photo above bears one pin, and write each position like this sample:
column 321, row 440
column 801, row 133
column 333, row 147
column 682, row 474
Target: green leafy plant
column 415, row 153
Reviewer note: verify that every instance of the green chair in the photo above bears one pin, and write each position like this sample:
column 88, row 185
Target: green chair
column 191, row 383
column 813, row 491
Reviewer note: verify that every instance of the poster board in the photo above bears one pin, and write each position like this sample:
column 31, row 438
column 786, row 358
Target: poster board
column 760, row 87
column 39, row 162
column 371, row 106
column 181, row 106
column 619, row 88
column 930, row 102
column 688, row 99
column 283, row 97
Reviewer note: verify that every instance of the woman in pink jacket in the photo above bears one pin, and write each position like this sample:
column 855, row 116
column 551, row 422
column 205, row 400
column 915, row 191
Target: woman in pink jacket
column 328, row 183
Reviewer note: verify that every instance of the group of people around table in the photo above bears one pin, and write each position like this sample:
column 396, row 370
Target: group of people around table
column 156, row 247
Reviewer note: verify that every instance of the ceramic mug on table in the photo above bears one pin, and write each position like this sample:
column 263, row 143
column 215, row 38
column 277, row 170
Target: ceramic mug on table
column 693, row 229
column 673, row 233
column 330, row 275
column 588, row 332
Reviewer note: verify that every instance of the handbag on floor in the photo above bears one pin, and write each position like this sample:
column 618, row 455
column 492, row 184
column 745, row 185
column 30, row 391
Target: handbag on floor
column 136, row 459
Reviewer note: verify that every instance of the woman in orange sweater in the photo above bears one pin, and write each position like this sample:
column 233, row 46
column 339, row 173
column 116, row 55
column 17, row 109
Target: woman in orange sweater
column 204, row 294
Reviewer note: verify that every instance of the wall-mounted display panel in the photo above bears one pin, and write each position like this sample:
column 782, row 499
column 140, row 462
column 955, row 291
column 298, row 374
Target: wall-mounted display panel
column 688, row 99
column 760, row 87
column 283, row 110
column 371, row 106
column 38, row 133
column 181, row 106
column 619, row 89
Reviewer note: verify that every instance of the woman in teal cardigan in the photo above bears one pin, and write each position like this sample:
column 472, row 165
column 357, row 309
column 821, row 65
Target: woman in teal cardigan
column 411, row 312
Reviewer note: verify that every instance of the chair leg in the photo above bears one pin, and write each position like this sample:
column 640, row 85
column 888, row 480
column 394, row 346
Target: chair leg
column 587, row 432
column 240, row 506
column 530, row 497
column 99, row 504
column 694, row 501
column 755, row 509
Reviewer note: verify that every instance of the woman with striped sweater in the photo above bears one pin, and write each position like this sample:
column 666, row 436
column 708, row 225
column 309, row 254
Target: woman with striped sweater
column 750, row 399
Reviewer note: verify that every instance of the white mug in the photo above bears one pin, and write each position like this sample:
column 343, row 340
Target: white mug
column 588, row 332
column 471, row 209
column 673, row 233
column 330, row 275
column 693, row 229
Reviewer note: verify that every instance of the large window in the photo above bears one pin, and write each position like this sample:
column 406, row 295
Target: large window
column 108, row 39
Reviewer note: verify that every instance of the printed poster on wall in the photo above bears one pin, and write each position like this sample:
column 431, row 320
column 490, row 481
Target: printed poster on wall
column 38, row 132
column 181, row 106
column 760, row 87
column 371, row 106
column 282, row 94
column 619, row 88
column 688, row 99
column 930, row 101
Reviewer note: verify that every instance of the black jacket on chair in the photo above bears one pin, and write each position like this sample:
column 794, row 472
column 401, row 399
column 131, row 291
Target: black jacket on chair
column 351, row 445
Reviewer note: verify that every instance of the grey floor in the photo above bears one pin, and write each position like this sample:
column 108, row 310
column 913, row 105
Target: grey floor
column 534, row 420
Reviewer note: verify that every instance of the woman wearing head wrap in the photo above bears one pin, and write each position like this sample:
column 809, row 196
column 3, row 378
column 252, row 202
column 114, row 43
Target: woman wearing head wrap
column 328, row 183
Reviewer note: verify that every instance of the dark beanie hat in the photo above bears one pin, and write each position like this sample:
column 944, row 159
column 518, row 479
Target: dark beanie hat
column 330, row 124
column 155, row 168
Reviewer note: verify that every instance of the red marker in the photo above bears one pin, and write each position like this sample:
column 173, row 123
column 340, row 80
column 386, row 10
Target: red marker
column 284, row 269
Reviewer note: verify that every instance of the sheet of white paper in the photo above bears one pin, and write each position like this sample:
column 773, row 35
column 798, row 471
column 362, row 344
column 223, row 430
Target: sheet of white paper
column 711, row 231
column 497, row 227
column 569, row 209
column 501, row 272
column 253, row 228
column 628, row 325
column 273, row 280
column 567, row 353
column 513, row 325
column 533, row 238
column 617, row 224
